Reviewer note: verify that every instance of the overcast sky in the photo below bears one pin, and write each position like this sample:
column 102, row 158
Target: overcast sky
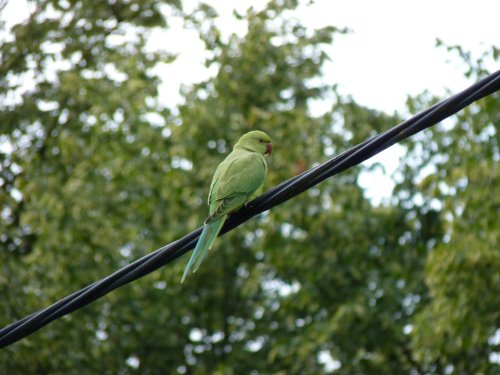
column 389, row 54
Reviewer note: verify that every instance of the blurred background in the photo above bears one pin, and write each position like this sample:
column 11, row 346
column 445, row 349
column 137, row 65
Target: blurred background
column 113, row 117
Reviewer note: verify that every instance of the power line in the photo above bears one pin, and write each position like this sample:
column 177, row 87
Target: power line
column 275, row 196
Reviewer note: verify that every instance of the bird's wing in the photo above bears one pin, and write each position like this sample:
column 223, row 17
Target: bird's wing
column 244, row 175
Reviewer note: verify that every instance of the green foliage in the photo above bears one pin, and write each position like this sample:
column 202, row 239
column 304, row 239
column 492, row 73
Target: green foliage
column 457, row 170
column 92, row 183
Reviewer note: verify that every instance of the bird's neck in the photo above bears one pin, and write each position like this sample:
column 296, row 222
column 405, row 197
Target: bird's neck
column 239, row 146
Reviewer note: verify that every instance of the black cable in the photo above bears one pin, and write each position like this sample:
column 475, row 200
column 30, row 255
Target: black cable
column 277, row 195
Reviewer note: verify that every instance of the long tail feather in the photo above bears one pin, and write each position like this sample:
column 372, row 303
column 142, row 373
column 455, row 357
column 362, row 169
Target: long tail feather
column 208, row 236
column 214, row 232
column 196, row 251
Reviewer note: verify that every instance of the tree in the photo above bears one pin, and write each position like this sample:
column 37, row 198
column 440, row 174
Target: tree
column 77, row 97
column 456, row 174
column 324, row 281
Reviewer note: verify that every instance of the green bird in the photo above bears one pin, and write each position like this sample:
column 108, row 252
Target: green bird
column 238, row 179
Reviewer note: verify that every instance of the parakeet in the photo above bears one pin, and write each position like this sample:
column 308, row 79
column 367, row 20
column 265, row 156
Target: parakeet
column 238, row 179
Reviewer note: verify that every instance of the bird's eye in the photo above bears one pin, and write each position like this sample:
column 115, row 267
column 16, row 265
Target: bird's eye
column 261, row 140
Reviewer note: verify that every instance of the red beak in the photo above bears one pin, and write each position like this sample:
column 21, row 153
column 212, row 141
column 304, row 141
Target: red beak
column 269, row 149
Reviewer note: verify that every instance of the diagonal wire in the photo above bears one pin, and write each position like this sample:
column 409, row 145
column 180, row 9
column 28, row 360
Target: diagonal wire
column 273, row 197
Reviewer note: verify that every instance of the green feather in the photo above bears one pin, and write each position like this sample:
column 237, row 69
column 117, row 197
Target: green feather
column 205, row 242
column 214, row 230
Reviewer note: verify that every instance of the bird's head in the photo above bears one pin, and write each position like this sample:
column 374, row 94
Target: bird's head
column 256, row 141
